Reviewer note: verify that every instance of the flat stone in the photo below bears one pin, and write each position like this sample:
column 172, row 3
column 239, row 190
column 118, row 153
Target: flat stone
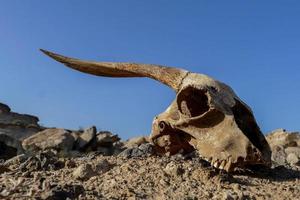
column 58, row 139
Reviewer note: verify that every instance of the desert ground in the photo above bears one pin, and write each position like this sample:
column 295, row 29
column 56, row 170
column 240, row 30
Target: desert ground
column 50, row 163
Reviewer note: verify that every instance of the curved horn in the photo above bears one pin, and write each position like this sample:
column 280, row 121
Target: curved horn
column 169, row 76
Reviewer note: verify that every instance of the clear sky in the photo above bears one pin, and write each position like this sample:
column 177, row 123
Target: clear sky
column 253, row 46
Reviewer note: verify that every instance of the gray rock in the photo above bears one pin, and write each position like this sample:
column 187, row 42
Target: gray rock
column 86, row 138
column 146, row 148
column 46, row 160
column 4, row 108
column 136, row 152
column 141, row 151
column 18, row 126
column 9, row 147
column 126, row 153
column 58, row 139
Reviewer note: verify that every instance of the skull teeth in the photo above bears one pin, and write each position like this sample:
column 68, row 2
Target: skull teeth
column 228, row 166
column 222, row 165
column 216, row 164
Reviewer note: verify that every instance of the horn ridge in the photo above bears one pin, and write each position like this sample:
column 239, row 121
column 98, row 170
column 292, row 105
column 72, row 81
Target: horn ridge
column 169, row 76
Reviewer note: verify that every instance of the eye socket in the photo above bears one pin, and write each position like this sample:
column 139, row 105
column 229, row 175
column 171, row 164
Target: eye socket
column 162, row 125
column 192, row 102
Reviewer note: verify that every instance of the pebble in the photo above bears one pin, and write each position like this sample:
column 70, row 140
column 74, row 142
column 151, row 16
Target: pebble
column 173, row 169
column 83, row 172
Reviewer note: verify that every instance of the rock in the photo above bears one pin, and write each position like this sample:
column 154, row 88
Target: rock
column 146, row 148
column 18, row 126
column 141, row 151
column 285, row 146
column 279, row 155
column 46, row 160
column 102, row 166
column 58, row 139
column 4, row 108
column 83, row 172
column 126, row 153
column 136, row 152
column 173, row 169
column 105, row 150
column 106, row 138
column 136, row 141
column 9, row 147
column 117, row 148
column 106, row 143
column 86, row 138
column 293, row 159
column 295, row 150
column 283, row 138
column 17, row 160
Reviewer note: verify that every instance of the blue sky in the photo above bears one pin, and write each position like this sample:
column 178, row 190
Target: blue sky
column 251, row 45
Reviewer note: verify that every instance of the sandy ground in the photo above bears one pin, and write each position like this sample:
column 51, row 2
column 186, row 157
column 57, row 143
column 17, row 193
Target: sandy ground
column 45, row 176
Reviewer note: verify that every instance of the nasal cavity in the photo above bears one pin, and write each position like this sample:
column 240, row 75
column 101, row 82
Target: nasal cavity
column 192, row 102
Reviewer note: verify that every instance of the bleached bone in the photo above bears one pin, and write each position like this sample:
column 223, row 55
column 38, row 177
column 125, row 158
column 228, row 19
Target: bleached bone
column 206, row 115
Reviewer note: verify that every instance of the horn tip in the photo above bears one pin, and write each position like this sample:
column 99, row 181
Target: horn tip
column 55, row 56
column 48, row 53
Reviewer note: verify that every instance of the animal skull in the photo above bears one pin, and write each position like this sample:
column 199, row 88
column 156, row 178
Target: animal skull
column 206, row 114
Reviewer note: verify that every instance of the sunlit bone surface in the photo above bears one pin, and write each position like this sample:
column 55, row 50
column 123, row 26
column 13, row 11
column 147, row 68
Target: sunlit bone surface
column 206, row 114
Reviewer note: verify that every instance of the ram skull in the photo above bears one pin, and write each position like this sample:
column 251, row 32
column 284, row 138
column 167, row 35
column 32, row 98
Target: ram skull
column 206, row 115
